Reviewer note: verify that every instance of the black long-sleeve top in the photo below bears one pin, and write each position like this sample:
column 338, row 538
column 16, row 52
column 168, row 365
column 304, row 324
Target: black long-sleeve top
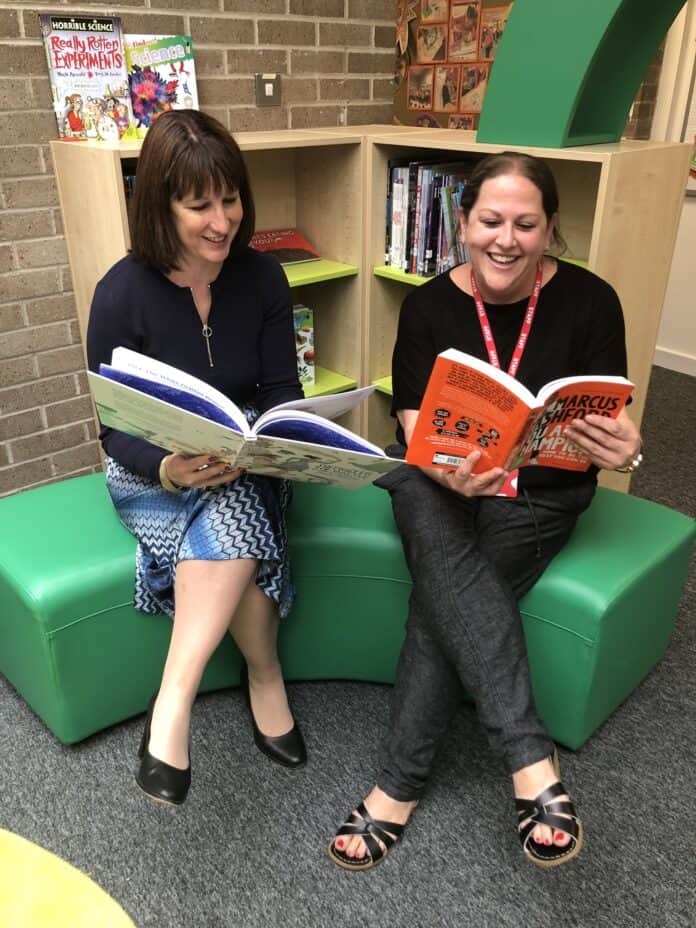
column 252, row 341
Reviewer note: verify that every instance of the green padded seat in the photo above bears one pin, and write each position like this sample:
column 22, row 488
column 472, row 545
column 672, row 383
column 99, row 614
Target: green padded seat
column 83, row 658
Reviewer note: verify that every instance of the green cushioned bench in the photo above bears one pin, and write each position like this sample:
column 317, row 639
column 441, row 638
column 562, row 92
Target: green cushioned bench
column 82, row 657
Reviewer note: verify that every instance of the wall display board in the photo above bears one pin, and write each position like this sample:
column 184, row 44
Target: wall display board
column 445, row 51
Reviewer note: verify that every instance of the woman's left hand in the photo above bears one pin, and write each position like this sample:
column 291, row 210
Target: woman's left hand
column 609, row 443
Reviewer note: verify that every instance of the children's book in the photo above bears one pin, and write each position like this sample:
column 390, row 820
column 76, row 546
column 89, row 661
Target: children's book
column 155, row 401
column 303, row 318
column 469, row 405
column 288, row 245
column 161, row 75
column 87, row 73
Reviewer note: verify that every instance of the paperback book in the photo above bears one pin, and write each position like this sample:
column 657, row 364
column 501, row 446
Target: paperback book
column 289, row 246
column 161, row 75
column 469, row 405
column 303, row 318
column 298, row 440
column 87, row 74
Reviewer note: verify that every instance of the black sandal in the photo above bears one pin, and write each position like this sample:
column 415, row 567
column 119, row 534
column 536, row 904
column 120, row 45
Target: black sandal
column 558, row 814
column 361, row 824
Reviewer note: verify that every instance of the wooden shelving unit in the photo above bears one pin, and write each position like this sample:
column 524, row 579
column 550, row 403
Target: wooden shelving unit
column 620, row 207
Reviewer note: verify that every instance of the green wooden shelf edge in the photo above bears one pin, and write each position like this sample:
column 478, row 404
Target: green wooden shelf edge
column 314, row 272
column 384, row 385
column 328, row 382
column 395, row 273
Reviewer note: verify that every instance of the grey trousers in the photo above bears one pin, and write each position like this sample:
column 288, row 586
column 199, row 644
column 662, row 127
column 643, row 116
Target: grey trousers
column 470, row 561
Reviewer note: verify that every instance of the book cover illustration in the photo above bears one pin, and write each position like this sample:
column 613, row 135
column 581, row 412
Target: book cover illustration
column 470, row 406
column 298, row 440
column 161, row 75
column 87, row 73
column 303, row 318
column 289, row 246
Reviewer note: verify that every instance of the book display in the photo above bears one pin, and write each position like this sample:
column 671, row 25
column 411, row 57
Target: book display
column 303, row 318
column 289, row 246
column 87, row 74
column 305, row 179
column 469, row 405
column 161, row 75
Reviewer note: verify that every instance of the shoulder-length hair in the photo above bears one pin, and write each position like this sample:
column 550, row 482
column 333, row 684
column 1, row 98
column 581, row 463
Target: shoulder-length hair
column 534, row 169
column 185, row 153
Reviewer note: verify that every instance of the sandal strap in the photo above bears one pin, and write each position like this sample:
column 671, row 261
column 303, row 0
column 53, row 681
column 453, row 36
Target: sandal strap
column 361, row 824
column 546, row 809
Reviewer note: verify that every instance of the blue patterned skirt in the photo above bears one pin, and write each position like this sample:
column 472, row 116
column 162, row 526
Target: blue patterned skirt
column 242, row 519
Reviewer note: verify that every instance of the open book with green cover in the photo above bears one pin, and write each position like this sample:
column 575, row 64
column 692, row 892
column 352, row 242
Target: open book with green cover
column 298, row 440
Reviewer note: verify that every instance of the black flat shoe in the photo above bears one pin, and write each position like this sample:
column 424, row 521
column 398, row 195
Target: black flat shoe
column 288, row 749
column 159, row 780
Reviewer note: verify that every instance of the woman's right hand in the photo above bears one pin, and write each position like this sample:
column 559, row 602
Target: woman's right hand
column 464, row 482
column 199, row 471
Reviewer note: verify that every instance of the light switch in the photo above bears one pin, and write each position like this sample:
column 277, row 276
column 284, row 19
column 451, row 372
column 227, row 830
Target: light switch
column 268, row 89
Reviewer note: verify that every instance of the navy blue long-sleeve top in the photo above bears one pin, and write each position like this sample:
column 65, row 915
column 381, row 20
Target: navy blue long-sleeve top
column 252, row 341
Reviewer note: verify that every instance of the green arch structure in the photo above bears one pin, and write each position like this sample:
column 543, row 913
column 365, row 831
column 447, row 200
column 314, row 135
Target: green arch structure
column 567, row 71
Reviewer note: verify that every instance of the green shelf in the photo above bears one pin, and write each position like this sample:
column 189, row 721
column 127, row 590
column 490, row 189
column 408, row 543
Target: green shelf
column 394, row 273
column 384, row 385
column 328, row 382
column 314, row 272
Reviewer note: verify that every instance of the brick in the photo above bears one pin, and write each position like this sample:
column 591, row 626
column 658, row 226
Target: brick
column 46, row 442
column 61, row 361
column 75, row 332
column 7, row 261
column 257, row 61
column 22, row 285
column 313, row 117
column 287, row 32
column 154, row 24
column 344, row 34
column 21, row 224
column 57, row 221
column 372, row 9
column 23, row 423
column 78, row 409
column 209, row 61
column 385, row 36
column 21, row 476
column 254, row 6
column 32, row 340
column 317, row 62
column 257, row 118
column 344, row 89
column 383, row 88
column 20, row 160
column 42, row 253
column 380, row 113
column 4, row 456
column 9, row 24
column 29, row 192
column 299, row 90
column 37, row 392
column 29, row 127
column 14, row 371
column 41, row 92
column 370, row 63
column 11, row 317
column 222, row 31
column 323, row 8
column 65, row 277
column 15, row 93
column 223, row 91
column 200, row 5
column 22, row 60
column 87, row 455
column 30, row 23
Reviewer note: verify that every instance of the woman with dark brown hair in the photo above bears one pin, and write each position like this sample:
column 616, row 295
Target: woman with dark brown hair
column 211, row 539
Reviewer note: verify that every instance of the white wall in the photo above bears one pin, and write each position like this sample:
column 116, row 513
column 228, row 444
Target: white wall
column 676, row 340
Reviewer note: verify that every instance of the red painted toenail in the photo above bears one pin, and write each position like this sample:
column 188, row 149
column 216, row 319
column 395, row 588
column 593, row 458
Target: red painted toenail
column 339, row 842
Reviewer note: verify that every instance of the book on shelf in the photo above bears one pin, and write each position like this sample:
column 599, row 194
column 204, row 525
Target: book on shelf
column 303, row 319
column 289, row 246
column 87, row 74
column 298, row 440
column 469, row 405
column 161, row 75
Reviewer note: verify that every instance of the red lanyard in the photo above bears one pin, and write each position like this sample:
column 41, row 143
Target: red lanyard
column 524, row 331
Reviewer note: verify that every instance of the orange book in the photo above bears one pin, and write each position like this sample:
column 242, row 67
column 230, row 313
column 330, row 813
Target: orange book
column 470, row 405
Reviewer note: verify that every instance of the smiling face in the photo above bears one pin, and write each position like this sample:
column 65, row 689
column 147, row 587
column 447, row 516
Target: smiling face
column 506, row 233
column 206, row 227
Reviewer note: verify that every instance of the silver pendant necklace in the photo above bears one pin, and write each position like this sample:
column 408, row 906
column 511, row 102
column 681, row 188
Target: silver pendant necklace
column 206, row 330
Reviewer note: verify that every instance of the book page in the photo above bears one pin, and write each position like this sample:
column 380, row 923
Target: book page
column 330, row 406
column 301, row 425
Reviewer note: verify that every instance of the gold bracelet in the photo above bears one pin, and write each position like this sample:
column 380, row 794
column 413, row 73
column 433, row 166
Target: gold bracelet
column 632, row 467
column 165, row 479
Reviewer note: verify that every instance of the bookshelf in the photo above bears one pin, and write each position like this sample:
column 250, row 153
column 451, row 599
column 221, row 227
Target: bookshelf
column 620, row 208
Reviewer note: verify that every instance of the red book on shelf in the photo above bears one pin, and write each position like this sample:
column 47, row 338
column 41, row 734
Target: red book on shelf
column 288, row 245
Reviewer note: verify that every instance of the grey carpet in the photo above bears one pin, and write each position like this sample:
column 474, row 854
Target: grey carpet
column 248, row 848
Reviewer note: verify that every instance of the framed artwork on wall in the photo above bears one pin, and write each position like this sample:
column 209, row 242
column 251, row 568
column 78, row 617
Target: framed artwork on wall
column 689, row 133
